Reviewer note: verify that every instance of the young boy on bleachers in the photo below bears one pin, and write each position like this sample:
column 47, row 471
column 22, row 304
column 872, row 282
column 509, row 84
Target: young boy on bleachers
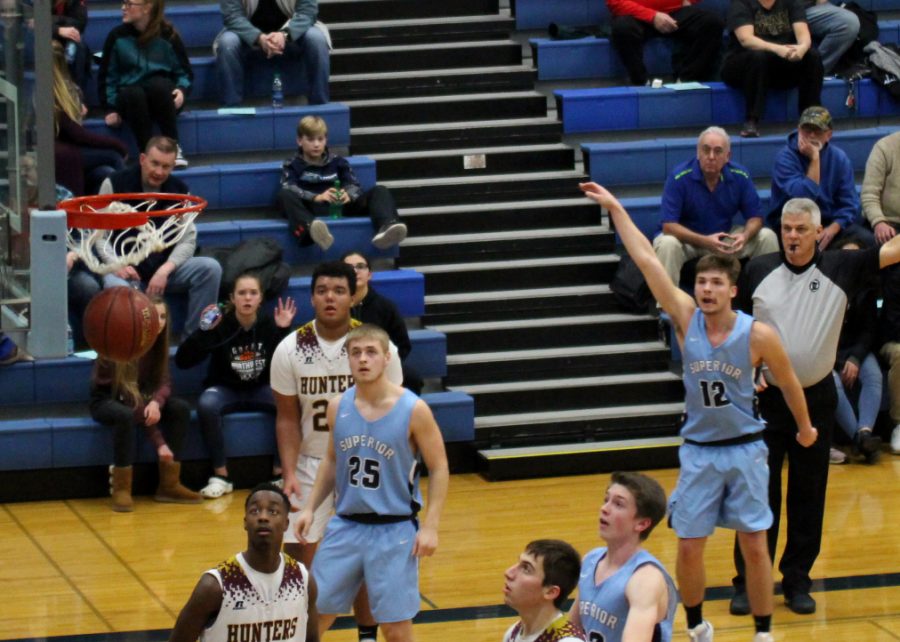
column 308, row 189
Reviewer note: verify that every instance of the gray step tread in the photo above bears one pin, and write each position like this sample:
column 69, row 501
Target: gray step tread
column 524, row 149
column 495, row 454
column 450, row 98
column 429, row 46
column 493, row 207
column 491, row 17
column 517, row 324
column 581, row 414
column 513, row 235
column 548, row 353
column 529, row 177
column 569, row 382
column 518, row 264
column 415, row 73
column 505, row 295
column 462, row 124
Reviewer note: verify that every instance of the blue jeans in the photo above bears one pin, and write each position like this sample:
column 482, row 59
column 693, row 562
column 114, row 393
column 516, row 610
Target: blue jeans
column 833, row 30
column 217, row 401
column 232, row 55
column 82, row 285
column 199, row 276
column 869, row 383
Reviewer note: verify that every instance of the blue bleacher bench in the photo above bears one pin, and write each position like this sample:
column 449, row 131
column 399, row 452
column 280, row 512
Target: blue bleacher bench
column 627, row 108
column 208, row 131
column 651, row 161
column 69, row 442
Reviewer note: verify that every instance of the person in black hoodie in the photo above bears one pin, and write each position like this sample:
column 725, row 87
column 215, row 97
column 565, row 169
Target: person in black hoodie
column 239, row 341
column 309, row 189
column 371, row 307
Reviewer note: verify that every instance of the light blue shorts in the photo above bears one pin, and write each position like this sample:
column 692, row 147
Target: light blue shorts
column 724, row 486
column 379, row 554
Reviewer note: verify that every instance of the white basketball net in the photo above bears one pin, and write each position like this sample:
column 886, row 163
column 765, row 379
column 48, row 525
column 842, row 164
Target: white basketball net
column 104, row 251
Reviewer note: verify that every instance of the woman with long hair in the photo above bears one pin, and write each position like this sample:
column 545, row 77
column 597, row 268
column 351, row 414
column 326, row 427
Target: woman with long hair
column 239, row 342
column 82, row 158
column 139, row 393
column 145, row 74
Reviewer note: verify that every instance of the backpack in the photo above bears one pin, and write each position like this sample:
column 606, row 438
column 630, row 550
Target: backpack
column 885, row 63
column 629, row 287
column 260, row 256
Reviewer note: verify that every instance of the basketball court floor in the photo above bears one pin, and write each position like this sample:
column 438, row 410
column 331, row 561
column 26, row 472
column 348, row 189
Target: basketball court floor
column 77, row 571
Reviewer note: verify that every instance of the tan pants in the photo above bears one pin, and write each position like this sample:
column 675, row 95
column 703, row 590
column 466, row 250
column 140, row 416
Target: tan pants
column 891, row 353
column 673, row 254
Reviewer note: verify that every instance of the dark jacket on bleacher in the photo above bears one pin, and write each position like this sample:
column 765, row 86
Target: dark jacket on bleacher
column 381, row 311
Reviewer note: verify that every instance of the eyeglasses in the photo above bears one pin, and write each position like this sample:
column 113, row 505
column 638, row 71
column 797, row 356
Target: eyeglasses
column 359, row 267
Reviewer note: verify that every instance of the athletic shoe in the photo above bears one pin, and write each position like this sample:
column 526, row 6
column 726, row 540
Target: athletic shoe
column 895, row 440
column 740, row 603
column 389, row 235
column 180, row 160
column 836, row 456
column 750, row 130
column 703, row 632
column 801, row 603
column 320, row 235
column 763, row 637
column 869, row 445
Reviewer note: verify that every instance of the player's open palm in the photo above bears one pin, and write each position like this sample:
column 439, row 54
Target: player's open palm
column 426, row 542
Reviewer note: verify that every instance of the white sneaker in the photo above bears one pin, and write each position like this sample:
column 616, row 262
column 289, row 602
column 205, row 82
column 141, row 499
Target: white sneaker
column 763, row 637
column 320, row 234
column 703, row 632
column 895, row 440
column 180, row 160
column 836, row 456
column 389, row 235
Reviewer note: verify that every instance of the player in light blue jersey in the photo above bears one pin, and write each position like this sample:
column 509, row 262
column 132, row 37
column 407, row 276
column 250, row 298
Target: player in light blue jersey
column 724, row 471
column 378, row 432
column 624, row 593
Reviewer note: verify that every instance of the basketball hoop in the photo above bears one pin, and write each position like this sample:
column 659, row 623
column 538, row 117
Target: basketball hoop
column 111, row 231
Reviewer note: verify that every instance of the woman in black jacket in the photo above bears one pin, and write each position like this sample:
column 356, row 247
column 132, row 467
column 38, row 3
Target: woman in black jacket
column 239, row 341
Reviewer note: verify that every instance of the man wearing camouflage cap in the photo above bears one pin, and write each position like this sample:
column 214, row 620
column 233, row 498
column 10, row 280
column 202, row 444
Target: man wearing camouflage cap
column 811, row 166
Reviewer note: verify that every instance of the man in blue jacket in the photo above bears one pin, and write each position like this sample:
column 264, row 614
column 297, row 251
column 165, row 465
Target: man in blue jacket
column 810, row 166
column 273, row 29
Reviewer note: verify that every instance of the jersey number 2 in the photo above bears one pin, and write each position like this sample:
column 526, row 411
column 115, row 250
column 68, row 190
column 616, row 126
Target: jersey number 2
column 713, row 394
column 364, row 472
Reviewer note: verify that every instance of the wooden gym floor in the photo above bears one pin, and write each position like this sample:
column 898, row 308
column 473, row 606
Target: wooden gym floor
column 76, row 570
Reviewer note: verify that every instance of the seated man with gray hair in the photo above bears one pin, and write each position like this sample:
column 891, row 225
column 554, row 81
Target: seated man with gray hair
column 700, row 200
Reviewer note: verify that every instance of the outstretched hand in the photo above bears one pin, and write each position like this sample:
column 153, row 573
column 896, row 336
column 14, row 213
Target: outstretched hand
column 285, row 312
column 599, row 195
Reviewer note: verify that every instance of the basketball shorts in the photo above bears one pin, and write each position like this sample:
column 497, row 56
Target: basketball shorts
column 724, row 486
column 307, row 467
column 379, row 554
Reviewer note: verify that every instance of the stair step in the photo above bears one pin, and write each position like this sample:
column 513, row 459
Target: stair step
column 519, row 273
column 584, row 329
column 543, row 363
column 578, row 458
column 448, row 109
column 534, row 214
column 441, row 55
column 432, row 82
column 485, row 188
column 420, row 30
column 335, row 11
column 474, row 161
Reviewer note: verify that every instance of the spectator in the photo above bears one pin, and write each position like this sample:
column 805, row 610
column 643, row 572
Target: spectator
column 697, row 32
column 700, row 200
column 174, row 269
column 69, row 21
column 271, row 28
column 857, row 367
column 139, row 393
column 833, row 29
column 308, row 190
column 881, row 205
column 770, row 47
column 145, row 73
column 83, row 159
column 371, row 307
column 239, row 344
column 810, row 166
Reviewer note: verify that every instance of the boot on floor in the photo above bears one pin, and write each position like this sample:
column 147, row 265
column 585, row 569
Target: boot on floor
column 170, row 488
column 120, row 488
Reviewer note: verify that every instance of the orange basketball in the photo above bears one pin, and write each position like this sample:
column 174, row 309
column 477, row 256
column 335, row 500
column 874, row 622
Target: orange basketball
column 120, row 323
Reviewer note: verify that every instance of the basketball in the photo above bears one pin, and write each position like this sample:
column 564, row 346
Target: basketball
column 120, row 323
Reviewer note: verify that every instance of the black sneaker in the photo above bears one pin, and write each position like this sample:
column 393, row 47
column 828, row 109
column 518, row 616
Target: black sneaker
column 801, row 603
column 869, row 445
column 740, row 603
column 389, row 235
